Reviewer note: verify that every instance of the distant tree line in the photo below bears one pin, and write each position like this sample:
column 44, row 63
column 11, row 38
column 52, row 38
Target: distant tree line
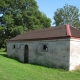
column 67, row 15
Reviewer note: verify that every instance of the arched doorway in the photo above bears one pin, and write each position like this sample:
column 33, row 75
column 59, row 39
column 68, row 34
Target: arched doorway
column 26, row 50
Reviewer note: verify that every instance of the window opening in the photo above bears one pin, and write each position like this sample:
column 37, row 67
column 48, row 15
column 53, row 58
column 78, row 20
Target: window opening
column 13, row 46
column 45, row 47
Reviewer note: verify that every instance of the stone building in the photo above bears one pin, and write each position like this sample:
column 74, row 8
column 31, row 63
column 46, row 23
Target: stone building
column 52, row 47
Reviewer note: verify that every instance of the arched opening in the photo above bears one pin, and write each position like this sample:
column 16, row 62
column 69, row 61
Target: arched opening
column 26, row 51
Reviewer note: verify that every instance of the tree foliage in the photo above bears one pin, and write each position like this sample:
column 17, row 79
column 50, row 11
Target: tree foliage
column 19, row 16
column 67, row 15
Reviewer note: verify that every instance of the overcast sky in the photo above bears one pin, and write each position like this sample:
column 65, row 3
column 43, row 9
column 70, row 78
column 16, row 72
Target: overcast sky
column 49, row 6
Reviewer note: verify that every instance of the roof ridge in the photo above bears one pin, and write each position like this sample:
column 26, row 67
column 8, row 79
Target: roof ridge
column 44, row 30
column 68, row 30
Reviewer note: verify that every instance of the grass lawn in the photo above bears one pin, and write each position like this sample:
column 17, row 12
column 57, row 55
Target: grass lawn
column 11, row 69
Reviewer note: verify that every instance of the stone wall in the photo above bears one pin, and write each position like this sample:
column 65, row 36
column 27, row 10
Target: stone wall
column 17, row 51
column 56, row 55
column 74, row 54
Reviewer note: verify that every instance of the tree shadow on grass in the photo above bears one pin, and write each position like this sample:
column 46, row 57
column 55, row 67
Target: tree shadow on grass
column 5, row 55
column 3, row 50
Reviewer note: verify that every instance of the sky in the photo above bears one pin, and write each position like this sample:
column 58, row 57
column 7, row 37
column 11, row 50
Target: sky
column 50, row 6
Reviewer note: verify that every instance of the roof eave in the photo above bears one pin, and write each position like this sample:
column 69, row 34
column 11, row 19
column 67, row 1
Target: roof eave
column 62, row 37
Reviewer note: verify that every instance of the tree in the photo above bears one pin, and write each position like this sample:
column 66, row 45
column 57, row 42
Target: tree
column 19, row 16
column 2, row 37
column 67, row 15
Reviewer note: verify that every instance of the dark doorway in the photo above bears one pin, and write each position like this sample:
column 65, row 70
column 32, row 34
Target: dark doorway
column 26, row 50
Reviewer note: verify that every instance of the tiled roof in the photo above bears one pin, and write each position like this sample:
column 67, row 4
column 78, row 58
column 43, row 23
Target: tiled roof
column 49, row 33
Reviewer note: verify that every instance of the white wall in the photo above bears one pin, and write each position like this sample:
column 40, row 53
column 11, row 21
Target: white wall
column 74, row 54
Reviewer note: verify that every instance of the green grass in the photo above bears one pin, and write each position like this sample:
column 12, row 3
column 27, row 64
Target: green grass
column 11, row 69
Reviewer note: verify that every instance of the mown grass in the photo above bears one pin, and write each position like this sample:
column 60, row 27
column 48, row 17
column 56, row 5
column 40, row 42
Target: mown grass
column 11, row 69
